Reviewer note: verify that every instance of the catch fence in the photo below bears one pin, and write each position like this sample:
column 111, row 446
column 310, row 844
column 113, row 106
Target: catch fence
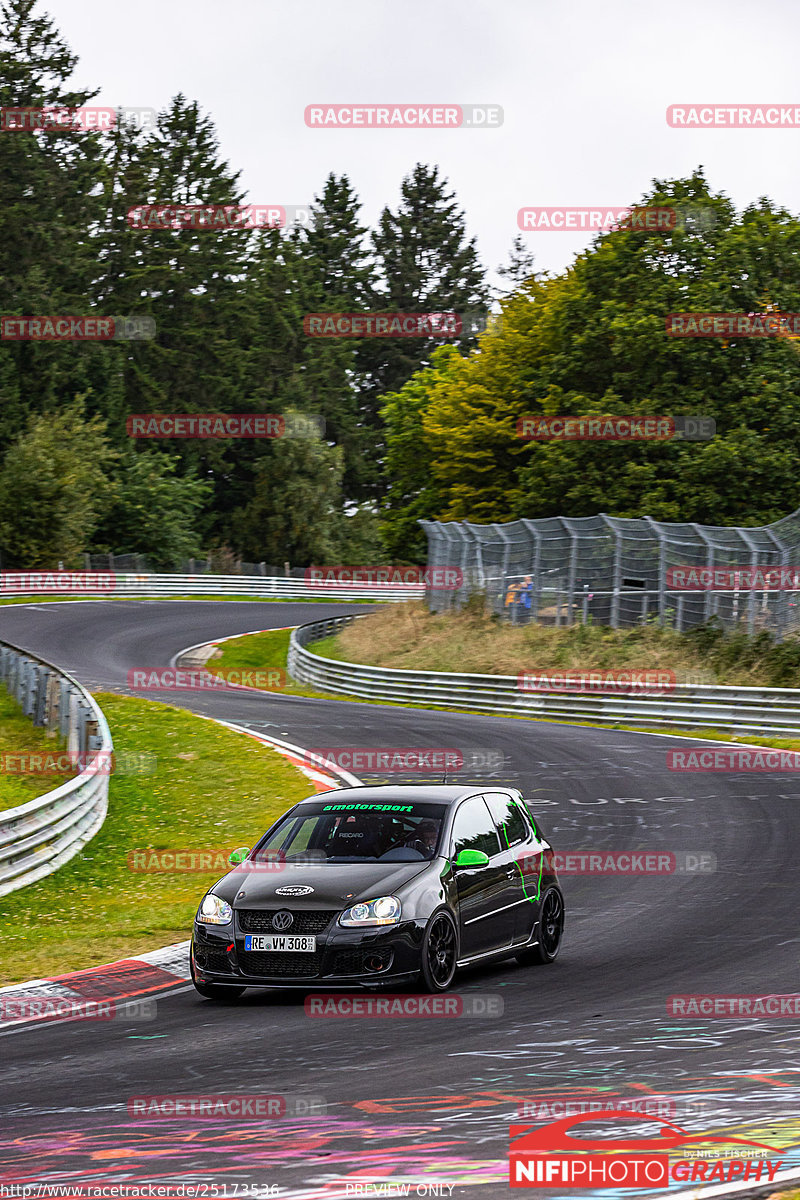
column 622, row 571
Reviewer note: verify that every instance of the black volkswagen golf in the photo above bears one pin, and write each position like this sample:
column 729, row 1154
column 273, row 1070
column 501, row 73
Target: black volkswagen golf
column 370, row 885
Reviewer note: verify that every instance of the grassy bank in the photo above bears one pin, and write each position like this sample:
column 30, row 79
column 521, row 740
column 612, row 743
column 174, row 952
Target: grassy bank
column 407, row 636
column 263, row 652
column 19, row 736
column 212, row 789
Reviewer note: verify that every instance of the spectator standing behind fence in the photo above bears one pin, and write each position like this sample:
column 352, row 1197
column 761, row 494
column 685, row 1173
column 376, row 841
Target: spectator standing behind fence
column 524, row 599
column 510, row 606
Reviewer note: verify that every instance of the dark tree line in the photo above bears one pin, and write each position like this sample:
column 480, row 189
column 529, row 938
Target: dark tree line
column 228, row 307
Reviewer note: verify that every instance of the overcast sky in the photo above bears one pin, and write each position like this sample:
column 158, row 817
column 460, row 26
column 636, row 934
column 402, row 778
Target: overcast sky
column 584, row 85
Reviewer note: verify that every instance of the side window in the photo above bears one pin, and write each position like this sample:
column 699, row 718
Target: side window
column 508, row 820
column 473, row 829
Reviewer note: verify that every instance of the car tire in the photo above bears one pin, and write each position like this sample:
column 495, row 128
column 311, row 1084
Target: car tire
column 439, row 952
column 551, row 929
column 212, row 991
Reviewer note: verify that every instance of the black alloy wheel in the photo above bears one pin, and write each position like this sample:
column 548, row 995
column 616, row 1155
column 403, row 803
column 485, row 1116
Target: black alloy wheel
column 439, row 952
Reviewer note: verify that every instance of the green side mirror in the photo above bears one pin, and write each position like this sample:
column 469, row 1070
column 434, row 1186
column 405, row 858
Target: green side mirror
column 472, row 858
column 238, row 856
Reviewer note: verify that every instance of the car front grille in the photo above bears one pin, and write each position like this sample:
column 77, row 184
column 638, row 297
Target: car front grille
column 257, row 920
column 280, row 964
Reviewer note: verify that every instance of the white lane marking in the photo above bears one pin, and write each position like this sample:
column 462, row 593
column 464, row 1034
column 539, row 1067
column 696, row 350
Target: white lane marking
column 300, row 751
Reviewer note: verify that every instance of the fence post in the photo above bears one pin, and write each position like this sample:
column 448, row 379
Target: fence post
column 751, row 600
column 616, row 570
column 782, row 599
column 573, row 566
column 709, row 545
column 537, row 556
column 40, row 702
column 662, row 570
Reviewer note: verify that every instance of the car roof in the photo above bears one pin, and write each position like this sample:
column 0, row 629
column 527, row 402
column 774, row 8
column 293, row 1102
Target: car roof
column 424, row 793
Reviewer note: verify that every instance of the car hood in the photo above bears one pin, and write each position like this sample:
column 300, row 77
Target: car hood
column 334, row 885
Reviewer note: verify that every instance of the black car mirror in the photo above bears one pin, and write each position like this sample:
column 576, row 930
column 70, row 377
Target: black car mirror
column 472, row 858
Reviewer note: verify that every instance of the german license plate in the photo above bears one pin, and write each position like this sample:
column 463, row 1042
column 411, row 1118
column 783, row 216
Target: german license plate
column 280, row 941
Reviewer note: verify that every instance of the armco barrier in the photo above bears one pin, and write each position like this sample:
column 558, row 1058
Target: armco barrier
column 40, row 836
column 257, row 586
column 736, row 709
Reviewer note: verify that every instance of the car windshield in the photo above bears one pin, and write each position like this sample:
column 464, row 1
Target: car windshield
column 355, row 832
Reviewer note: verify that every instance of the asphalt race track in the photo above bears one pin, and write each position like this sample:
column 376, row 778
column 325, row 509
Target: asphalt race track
column 430, row 1100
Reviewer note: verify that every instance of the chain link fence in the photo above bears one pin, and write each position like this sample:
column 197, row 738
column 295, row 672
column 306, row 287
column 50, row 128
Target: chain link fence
column 622, row 571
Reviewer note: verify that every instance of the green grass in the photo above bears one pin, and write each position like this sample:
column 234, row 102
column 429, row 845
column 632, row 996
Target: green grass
column 260, row 652
column 212, row 789
column 330, row 647
column 18, row 735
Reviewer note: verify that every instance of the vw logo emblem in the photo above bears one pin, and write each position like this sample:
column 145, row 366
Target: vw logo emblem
column 300, row 890
column 282, row 920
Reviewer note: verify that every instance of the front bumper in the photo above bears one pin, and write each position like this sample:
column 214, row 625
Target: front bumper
column 344, row 957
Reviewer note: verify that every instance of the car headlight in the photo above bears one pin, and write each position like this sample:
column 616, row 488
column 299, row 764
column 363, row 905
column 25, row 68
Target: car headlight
column 383, row 911
column 214, row 910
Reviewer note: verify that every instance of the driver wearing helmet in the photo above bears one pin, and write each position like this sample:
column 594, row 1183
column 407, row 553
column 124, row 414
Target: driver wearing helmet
column 425, row 837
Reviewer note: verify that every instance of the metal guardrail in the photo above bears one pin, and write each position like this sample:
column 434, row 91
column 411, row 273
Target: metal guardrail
column 39, row 837
column 258, row 586
column 734, row 709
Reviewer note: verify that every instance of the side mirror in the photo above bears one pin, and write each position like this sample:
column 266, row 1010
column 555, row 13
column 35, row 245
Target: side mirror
column 238, row 856
column 472, row 858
